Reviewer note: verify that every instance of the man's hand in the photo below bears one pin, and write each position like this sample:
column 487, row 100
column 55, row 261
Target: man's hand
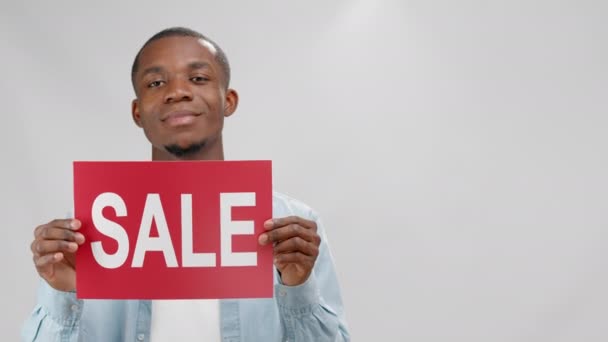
column 296, row 247
column 54, row 247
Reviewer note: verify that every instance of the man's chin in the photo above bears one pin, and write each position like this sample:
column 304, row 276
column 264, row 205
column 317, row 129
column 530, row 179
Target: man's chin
column 185, row 151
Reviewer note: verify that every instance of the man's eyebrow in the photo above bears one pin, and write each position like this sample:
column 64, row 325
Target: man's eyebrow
column 152, row 70
column 199, row 65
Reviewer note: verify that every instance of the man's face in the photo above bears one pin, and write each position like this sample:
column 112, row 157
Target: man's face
column 181, row 97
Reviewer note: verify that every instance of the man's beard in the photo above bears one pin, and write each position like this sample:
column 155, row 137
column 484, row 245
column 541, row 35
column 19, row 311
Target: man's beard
column 185, row 152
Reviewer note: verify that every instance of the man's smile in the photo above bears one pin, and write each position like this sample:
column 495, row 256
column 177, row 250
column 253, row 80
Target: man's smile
column 179, row 118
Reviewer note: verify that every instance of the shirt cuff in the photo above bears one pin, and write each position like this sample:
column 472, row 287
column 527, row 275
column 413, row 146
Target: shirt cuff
column 62, row 307
column 299, row 298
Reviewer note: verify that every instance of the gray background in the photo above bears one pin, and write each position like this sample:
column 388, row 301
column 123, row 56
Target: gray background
column 457, row 150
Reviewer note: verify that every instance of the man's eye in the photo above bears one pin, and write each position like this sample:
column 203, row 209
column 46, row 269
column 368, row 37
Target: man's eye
column 155, row 84
column 199, row 79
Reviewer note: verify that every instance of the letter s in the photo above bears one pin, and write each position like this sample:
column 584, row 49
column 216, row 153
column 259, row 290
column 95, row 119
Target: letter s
column 110, row 229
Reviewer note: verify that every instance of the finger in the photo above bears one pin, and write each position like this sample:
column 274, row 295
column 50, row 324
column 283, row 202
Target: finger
column 43, row 247
column 293, row 258
column 288, row 232
column 283, row 221
column 47, row 232
column 33, row 248
column 71, row 224
column 298, row 245
column 47, row 259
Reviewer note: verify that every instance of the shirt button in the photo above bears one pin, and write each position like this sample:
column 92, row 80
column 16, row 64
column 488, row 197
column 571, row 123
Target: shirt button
column 74, row 307
column 140, row 337
column 282, row 293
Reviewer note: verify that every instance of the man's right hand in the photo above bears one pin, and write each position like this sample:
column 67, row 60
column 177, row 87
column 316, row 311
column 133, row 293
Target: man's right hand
column 54, row 248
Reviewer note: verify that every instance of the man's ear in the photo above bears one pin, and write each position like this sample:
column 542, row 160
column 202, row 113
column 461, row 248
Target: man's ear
column 135, row 113
column 232, row 101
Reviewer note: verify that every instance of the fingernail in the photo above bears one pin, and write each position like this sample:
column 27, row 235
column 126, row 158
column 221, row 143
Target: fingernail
column 75, row 224
column 79, row 238
column 268, row 224
column 263, row 239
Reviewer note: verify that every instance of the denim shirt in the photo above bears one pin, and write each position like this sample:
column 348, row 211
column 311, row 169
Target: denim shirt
column 312, row 311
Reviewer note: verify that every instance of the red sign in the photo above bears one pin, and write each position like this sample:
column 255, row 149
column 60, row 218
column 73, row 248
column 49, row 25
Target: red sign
column 173, row 230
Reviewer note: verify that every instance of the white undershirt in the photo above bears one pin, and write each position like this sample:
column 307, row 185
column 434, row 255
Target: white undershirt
column 185, row 320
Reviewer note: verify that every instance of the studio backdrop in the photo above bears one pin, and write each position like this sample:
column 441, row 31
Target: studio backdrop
column 457, row 151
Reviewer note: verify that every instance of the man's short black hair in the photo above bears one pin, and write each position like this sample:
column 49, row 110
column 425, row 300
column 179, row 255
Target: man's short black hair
column 220, row 56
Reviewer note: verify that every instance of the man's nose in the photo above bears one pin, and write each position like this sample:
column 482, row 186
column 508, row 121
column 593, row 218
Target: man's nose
column 178, row 90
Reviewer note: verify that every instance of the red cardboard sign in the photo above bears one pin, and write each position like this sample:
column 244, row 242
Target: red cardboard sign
column 173, row 230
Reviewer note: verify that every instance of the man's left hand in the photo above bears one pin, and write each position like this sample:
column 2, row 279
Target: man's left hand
column 296, row 247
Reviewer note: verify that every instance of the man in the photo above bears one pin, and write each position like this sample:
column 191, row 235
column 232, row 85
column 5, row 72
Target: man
column 181, row 81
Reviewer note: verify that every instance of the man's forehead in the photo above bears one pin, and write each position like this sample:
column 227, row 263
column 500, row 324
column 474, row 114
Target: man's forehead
column 178, row 53
column 173, row 45
column 208, row 45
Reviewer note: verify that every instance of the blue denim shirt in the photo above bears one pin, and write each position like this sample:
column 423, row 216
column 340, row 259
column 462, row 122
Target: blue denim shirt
column 312, row 311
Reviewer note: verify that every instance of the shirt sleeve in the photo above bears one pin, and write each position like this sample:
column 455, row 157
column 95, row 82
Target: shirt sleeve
column 313, row 311
column 55, row 317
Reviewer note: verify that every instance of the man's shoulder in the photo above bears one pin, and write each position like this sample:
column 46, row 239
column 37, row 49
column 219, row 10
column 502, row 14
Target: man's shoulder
column 284, row 205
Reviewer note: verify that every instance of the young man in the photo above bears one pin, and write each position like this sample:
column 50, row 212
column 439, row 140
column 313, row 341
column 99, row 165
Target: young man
column 181, row 81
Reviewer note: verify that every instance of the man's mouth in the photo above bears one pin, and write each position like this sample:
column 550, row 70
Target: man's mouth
column 179, row 118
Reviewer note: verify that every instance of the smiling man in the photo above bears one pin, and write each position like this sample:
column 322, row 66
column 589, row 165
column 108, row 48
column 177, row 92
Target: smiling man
column 181, row 80
column 183, row 95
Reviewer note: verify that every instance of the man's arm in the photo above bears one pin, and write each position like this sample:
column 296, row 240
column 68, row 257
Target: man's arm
column 314, row 311
column 56, row 316
column 308, row 293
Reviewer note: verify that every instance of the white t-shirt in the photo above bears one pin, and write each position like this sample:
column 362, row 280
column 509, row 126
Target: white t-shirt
column 185, row 320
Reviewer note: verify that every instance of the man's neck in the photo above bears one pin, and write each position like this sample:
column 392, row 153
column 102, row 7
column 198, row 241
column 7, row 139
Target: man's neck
column 213, row 152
